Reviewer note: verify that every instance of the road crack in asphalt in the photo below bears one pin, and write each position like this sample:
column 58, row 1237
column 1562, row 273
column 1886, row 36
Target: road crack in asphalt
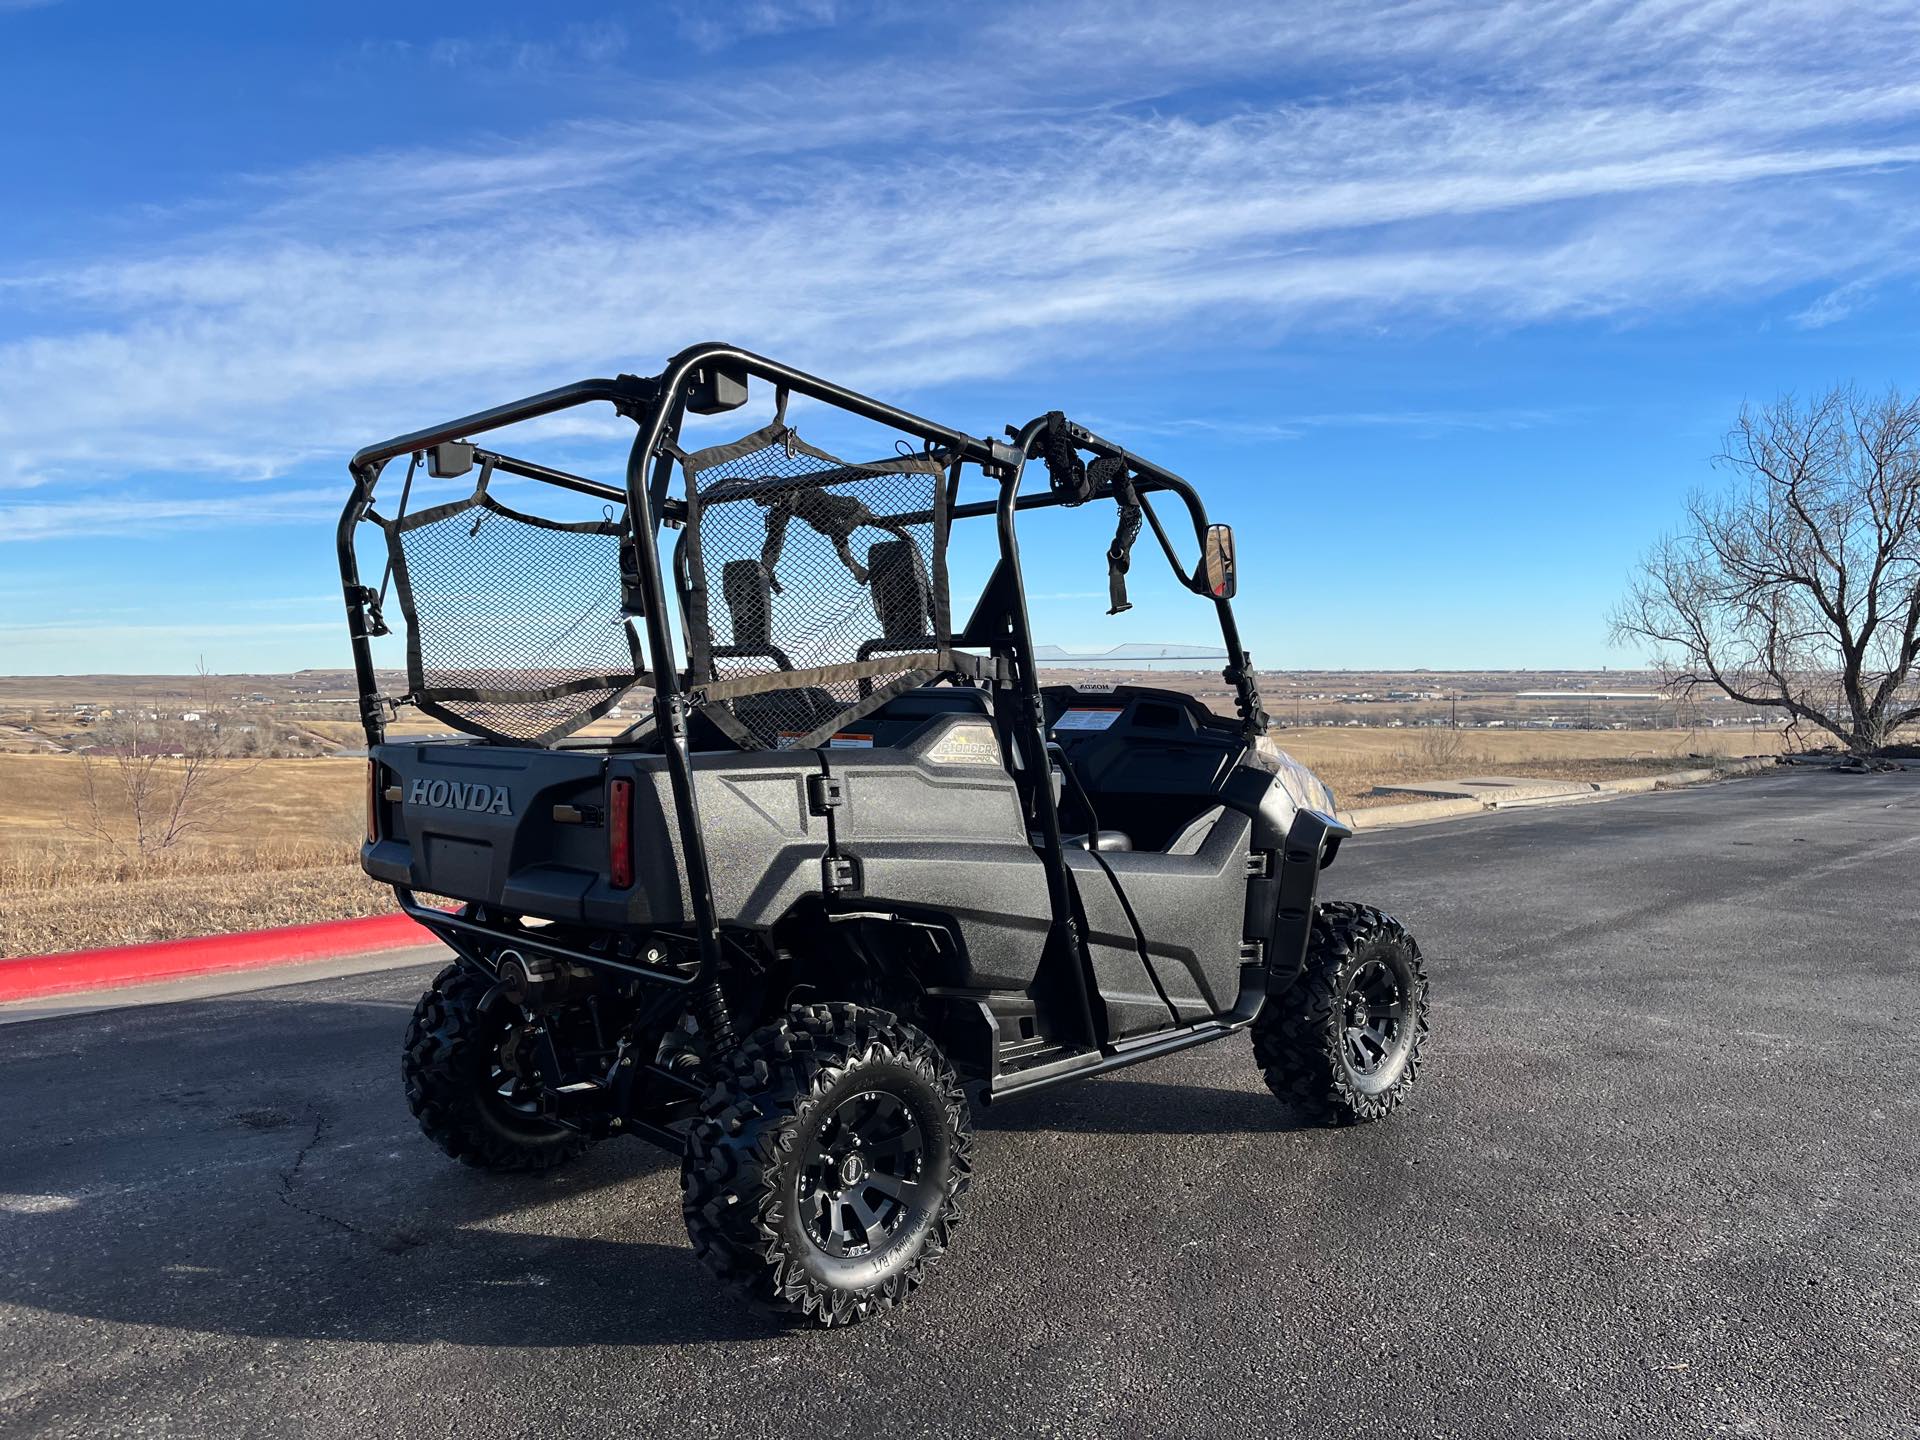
column 291, row 1175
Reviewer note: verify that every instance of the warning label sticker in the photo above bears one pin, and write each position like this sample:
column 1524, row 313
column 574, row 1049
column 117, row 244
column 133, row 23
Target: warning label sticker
column 1087, row 718
column 844, row 740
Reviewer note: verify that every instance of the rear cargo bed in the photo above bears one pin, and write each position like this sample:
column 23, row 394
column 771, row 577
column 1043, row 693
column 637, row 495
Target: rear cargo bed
column 525, row 829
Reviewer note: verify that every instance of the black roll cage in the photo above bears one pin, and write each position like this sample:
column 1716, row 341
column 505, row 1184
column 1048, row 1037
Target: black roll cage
column 657, row 406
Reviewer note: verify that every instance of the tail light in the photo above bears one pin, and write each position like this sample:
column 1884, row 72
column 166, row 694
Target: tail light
column 620, row 833
column 373, row 802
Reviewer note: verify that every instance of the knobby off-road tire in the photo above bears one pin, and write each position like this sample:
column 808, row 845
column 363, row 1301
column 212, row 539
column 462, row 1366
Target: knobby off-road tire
column 453, row 1084
column 824, row 1174
column 1344, row 1043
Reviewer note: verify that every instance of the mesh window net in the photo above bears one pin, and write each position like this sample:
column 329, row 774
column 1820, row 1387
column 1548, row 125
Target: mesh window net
column 514, row 626
column 812, row 590
column 817, row 585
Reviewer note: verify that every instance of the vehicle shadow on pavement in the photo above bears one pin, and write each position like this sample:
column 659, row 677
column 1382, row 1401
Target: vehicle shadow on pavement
column 469, row 1260
column 169, row 1178
column 1140, row 1107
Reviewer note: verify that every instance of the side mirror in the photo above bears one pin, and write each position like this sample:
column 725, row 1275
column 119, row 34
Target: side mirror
column 1217, row 563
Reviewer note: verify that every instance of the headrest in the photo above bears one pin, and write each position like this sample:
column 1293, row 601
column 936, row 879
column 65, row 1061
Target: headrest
column 898, row 578
column 749, row 599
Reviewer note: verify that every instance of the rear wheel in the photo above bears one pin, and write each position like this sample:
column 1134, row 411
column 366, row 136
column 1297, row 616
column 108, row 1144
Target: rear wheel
column 465, row 1088
column 1345, row 1042
column 825, row 1172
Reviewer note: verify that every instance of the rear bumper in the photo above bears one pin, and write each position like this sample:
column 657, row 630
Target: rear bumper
column 478, row 942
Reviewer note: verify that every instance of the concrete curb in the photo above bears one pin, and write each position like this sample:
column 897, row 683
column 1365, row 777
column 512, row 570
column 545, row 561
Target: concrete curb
column 28, row 977
column 1386, row 817
column 217, row 984
column 1640, row 786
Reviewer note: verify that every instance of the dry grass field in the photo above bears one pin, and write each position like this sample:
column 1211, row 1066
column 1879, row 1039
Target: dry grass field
column 1354, row 760
column 282, row 849
column 281, row 852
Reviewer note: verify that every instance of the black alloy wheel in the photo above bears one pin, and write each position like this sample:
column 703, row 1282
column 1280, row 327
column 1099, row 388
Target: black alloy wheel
column 1344, row 1042
column 1375, row 1011
column 825, row 1172
column 862, row 1176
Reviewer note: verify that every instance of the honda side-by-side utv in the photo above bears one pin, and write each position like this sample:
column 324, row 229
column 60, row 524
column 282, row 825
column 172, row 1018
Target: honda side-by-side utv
column 855, row 867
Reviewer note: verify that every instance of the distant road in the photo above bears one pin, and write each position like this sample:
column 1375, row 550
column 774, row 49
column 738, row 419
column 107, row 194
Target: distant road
column 13, row 736
column 1663, row 1180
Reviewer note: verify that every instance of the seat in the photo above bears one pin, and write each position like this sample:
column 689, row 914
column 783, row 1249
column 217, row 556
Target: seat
column 785, row 712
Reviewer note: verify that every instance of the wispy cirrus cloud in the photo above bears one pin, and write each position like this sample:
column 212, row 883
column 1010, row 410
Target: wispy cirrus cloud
column 577, row 45
column 713, row 27
column 1292, row 427
column 1837, row 304
column 1211, row 172
column 120, row 514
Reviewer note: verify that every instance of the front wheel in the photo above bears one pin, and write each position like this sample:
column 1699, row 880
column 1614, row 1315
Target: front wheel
column 824, row 1174
column 1344, row 1042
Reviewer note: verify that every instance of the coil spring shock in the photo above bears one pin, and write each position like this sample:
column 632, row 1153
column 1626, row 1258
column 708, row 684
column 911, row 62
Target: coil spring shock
column 716, row 1020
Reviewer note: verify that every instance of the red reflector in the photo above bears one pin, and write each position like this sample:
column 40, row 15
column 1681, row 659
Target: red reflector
column 373, row 802
column 620, row 833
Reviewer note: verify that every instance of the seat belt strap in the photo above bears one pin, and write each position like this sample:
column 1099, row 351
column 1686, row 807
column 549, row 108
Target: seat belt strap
column 1120, row 553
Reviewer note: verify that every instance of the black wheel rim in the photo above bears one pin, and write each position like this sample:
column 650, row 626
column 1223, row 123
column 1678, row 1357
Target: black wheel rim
column 1374, row 1018
column 863, row 1175
column 512, row 1093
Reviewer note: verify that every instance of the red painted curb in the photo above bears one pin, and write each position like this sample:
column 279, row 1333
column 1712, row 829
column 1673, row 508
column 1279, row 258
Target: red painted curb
column 29, row 977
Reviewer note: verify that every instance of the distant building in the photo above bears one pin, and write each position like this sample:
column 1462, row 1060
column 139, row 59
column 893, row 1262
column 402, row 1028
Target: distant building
column 1585, row 695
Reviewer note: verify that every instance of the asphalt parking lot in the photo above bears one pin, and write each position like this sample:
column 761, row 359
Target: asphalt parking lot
column 1663, row 1178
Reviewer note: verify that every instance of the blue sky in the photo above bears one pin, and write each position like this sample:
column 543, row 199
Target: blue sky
column 1446, row 307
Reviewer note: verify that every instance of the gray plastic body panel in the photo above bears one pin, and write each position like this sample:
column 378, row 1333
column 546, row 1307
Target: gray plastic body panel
column 1191, row 909
column 765, row 846
column 1132, row 1001
column 505, row 850
column 934, row 825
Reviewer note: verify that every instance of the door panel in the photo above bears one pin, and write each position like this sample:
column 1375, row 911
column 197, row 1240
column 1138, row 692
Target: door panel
column 1191, row 910
column 945, row 835
column 1132, row 1000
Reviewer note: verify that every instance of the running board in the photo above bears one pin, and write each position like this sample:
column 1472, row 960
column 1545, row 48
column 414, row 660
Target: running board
column 1114, row 1057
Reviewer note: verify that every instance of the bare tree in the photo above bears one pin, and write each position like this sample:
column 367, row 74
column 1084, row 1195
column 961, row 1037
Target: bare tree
column 1797, row 588
column 1442, row 746
column 156, row 778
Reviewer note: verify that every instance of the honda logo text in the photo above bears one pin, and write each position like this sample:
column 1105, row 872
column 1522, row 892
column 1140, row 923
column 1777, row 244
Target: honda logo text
column 448, row 795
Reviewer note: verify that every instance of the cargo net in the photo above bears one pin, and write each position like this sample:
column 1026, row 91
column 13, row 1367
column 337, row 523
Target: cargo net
column 820, row 585
column 514, row 626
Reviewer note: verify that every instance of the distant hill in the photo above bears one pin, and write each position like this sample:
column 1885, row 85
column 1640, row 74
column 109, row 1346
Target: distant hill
column 1137, row 651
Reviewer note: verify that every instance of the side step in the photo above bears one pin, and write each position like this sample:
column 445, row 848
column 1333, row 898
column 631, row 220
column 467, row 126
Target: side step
column 1086, row 1063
